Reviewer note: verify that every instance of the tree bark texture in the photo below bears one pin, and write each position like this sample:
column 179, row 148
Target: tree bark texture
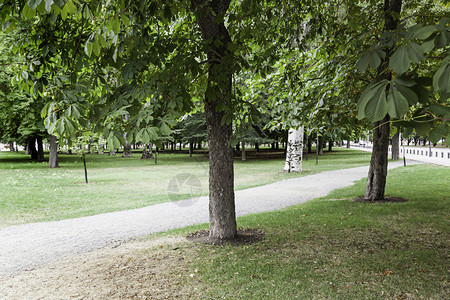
column 376, row 179
column 396, row 146
column 31, row 148
column 243, row 157
column 147, row 153
column 222, row 212
column 40, row 150
column 126, row 149
column 320, row 145
column 53, row 156
column 294, row 152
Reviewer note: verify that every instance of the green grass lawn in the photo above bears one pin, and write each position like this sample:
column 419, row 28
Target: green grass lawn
column 326, row 248
column 31, row 192
column 332, row 248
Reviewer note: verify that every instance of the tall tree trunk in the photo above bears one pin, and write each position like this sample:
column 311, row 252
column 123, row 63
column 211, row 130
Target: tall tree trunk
column 330, row 146
column 191, row 147
column 243, row 158
column 147, row 153
column 53, row 156
column 294, row 151
column 31, row 148
column 396, row 146
column 40, row 150
column 126, row 148
column 348, row 143
column 222, row 212
column 11, row 147
column 320, row 145
column 376, row 179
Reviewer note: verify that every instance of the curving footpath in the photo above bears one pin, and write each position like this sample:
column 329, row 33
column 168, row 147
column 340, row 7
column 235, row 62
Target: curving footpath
column 29, row 246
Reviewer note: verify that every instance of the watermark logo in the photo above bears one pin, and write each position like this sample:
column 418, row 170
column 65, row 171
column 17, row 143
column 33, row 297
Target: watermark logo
column 184, row 189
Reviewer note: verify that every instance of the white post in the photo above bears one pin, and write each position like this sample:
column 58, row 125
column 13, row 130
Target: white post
column 294, row 151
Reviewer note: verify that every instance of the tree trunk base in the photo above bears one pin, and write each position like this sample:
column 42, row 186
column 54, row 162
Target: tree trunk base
column 243, row 237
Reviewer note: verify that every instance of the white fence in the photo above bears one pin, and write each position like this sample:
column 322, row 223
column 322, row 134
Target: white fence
column 435, row 155
column 443, row 153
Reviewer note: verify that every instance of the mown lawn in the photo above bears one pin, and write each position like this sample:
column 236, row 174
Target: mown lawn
column 31, row 192
column 333, row 248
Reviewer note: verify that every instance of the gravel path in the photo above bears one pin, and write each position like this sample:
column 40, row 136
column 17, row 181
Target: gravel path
column 26, row 247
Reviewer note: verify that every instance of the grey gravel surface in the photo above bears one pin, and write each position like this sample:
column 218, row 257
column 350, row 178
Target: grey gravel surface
column 26, row 247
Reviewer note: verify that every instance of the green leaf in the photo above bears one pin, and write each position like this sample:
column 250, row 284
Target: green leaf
column 415, row 52
column 33, row 3
column 153, row 132
column 439, row 109
column 421, row 92
column 369, row 92
column 404, row 81
column 363, row 63
column 115, row 142
column 376, row 108
column 25, row 75
column 59, row 127
column 374, row 60
column 407, row 131
column 424, row 32
column 28, row 12
column 125, row 20
column 399, row 61
column 408, row 94
column 69, row 127
column 441, row 79
column 88, row 48
column 437, row 133
column 60, row 3
column 165, row 129
column 115, row 25
column 48, row 5
column 75, row 112
column 96, row 47
column 397, row 105
column 145, row 137
column 440, row 41
column 427, row 46
column 422, row 128
column 70, row 8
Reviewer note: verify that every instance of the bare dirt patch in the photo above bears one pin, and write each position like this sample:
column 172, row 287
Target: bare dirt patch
column 245, row 236
column 153, row 269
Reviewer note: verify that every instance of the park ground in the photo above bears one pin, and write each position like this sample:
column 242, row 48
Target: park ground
column 329, row 247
